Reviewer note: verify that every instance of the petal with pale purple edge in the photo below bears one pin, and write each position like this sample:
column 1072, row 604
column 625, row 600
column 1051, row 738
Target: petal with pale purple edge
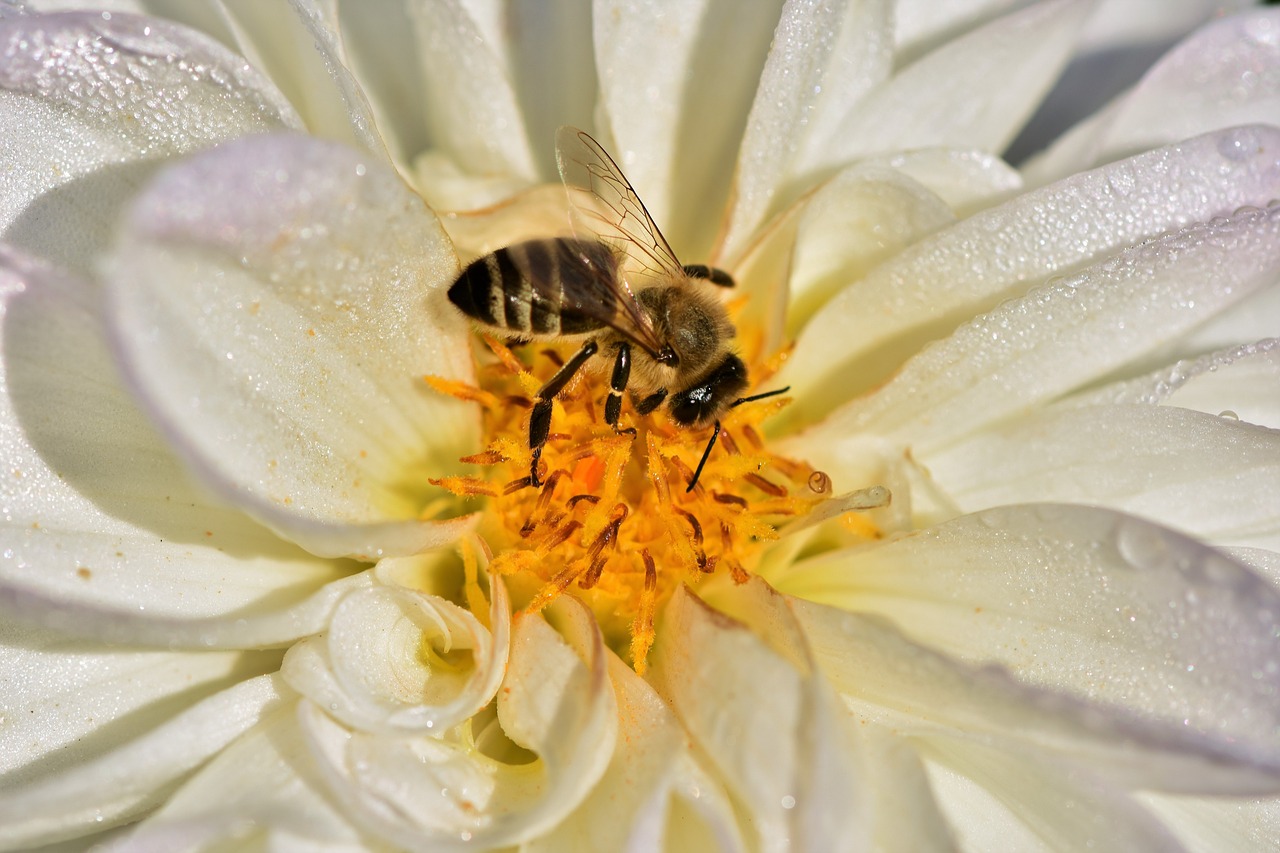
column 743, row 695
column 259, row 791
column 135, row 773
column 1058, row 338
column 88, row 108
column 1098, row 605
column 1014, row 60
column 433, row 794
column 1225, row 486
column 397, row 661
column 668, row 129
column 103, row 534
column 931, row 287
column 823, row 59
column 276, row 303
column 1227, row 73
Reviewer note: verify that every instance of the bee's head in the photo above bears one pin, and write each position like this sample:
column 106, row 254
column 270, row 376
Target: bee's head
column 714, row 393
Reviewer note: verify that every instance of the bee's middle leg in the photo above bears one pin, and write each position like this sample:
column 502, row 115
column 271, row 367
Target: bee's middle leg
column 540, row 417
column 617, row 385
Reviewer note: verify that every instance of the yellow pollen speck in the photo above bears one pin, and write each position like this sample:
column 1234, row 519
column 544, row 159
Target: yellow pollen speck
column 613, row 522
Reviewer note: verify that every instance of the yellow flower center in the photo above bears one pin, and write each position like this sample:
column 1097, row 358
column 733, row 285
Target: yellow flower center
column 613, row 521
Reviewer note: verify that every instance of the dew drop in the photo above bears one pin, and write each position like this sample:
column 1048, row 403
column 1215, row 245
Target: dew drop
column 1228, row 414
column 788, row 802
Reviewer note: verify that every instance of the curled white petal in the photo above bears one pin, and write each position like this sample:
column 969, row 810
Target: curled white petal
column 398, row 661
column 433, row 794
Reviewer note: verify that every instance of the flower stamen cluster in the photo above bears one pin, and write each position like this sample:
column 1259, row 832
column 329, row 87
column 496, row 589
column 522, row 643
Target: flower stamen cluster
column 613, row 519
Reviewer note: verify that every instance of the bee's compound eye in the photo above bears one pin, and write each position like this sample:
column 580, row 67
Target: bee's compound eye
column 706, row 400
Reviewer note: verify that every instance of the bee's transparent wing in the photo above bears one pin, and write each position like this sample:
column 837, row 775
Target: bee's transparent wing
column 610, row 208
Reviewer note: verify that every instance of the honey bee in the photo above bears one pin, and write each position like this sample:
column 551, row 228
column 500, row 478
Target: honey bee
column 622, row 291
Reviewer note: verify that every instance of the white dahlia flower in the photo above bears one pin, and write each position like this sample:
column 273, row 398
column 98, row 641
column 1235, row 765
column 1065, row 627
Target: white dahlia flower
column 273, row 574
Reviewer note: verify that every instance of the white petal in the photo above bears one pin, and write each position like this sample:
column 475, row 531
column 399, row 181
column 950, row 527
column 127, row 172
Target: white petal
column 1058, row 338
column 890, row 681
column 966, row 180
column 672, row 109
column 260, row 790
column 88, row 106
column 923, row 22
column 440, row 795
column 277, row 303
column 1207, row 825
column 627, row 808
column 552, row 61
column 904, row 808
column 131, row 777
column 1227, row 74
column 859, row 219
column 1086, row 601
column 824, row 58
column 1214, row 477
column 864, row 333
column 371, row 669
column 299, row 46
column 64, row 700
column 743, row 697
column 1236, row 379
column 471, row 106
column 103, row 535
column 1064, row 807
column 1013, row 60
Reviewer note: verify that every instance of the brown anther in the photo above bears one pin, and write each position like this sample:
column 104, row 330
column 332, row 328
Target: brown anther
column 553, row 357
column 558, row 436
column 487, row 457
column 577, row 499
column 650, row 571
column 699, row 552
column 516, row 485
column 820, row 483
column 726, row 441
column 561, row 536
column 545, row 495
column 738, row 573
column 592, row 576
column 685, row 472
column 465, row 486
column 517, row 400
column 752, row 436
column 732, row 500
column 609, row 535
column 764, row 485
column 793, row 470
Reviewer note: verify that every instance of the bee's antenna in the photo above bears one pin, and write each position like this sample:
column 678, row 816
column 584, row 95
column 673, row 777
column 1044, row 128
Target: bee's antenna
column 697, row 472
column 754, row 397
column 703, row 461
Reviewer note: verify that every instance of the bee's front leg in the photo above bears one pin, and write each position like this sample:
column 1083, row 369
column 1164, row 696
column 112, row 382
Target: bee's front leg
column 540, row 417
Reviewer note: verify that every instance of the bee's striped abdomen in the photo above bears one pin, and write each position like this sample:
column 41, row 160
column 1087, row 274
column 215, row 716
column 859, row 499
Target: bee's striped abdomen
column 541, row 287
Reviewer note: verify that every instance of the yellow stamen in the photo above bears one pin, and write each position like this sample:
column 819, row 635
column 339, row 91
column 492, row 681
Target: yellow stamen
column 612, row 522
